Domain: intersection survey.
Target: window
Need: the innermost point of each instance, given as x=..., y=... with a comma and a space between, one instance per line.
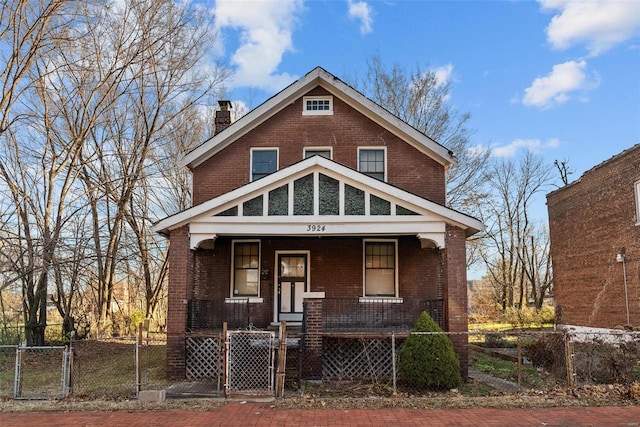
x=263, y=162
x=246, y=269
x=380, y=268
x=371, y=161
x=637, y=191
x=317, y=105
x=315, y=151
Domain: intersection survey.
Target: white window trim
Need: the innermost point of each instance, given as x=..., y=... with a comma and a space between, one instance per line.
x=378, y=298
x=248, y=298
x=314, y=148
x=636, y=187
x=384, y=149
x=253, y=149
x=306, y=112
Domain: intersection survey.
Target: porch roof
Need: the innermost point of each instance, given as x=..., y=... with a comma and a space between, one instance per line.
x=293, y=200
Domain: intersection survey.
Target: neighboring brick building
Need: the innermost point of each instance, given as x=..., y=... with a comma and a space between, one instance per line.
x=594, y=225
x=320, y=208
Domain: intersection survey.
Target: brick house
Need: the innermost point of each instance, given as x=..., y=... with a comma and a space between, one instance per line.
x=594, y=226
x=322, y=209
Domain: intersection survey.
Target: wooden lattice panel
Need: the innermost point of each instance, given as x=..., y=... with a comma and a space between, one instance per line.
x=204, y=357
x=350, y=358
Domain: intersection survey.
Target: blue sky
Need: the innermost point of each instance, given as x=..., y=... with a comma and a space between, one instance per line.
x=561, y=77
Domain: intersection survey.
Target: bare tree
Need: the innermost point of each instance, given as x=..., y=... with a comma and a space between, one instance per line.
x=511, y=255
x=28, y=30
x=421, y=99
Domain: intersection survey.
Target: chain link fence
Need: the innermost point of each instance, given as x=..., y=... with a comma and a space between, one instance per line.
x=348, y=366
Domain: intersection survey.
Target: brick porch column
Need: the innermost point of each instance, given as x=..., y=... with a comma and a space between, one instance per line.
x=455, y=294
x=180, y=279
x=312, y=356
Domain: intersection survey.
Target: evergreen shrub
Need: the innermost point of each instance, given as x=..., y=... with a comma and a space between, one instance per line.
x=428, y=361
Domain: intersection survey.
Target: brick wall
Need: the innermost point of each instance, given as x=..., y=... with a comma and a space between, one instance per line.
x=180, y=279
x=455, y=293
x=336, y=269
x=345, y=131
x=589, y=222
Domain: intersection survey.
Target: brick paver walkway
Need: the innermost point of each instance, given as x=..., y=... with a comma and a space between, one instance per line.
x=261, y=414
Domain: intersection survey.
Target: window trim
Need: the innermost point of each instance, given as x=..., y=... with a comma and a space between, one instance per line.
x=328, y=112
x=317, y=148
x=374, y=148
x=255, y=149
x=636, y=187
x=251, y=298
x=364, y=271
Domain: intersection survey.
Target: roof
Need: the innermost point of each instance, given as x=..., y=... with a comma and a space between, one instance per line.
x=426, y=220
x=598, y=166
x=336, y=87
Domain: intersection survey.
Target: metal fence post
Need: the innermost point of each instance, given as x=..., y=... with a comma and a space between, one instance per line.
x=393, y=361
x=568, y=349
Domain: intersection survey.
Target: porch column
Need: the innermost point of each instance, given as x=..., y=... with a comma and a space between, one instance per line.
x=180, y=278
x=455, y=294
x=312, y=356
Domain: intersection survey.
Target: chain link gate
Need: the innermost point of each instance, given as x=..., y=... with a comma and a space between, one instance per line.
x=250, y=362
x=42, y=372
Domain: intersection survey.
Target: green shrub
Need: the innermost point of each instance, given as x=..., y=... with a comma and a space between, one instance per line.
x=428, y=361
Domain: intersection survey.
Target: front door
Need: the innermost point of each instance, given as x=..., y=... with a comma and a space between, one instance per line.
x=292, y=283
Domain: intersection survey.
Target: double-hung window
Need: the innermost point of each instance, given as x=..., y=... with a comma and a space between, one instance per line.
x=263, y=162
x=380, y=268
x=317, y=151
x=246, y=269
x=372, y=162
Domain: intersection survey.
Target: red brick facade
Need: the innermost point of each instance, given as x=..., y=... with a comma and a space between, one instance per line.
x=344, y=131
x=591, y=221
x=335, y=261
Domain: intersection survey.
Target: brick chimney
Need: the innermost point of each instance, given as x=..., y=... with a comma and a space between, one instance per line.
x=223, y=117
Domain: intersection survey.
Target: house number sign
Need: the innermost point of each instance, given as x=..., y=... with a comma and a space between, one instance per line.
x=316, y=227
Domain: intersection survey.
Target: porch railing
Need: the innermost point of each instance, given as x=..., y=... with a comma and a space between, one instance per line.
x=379, y=315
x=211, y=314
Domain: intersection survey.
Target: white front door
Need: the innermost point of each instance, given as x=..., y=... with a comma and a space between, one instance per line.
x=292, y=283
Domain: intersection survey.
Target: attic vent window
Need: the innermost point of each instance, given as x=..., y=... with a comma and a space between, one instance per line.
x=317, y=105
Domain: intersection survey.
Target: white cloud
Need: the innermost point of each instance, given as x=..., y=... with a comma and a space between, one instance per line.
x=266, y=29
x=556, y=87
x=443, y=74
x=533, y=145
x=361, y=11
x=599, y=24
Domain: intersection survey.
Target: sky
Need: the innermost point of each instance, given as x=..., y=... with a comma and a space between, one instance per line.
x=558, y=77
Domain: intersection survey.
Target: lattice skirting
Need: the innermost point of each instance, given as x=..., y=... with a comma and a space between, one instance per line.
x=204, y=357
x=350, y=358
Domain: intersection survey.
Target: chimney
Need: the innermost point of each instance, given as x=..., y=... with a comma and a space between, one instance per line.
x=223, y=117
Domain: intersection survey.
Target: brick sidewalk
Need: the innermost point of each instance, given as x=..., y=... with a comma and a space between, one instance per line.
x=261, y=414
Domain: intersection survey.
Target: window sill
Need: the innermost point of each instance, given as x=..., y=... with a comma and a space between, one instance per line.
x=244, y=300
x=391, y=300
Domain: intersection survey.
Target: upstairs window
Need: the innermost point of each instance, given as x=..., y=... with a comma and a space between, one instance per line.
x=317, y=151
x=317, y=105
x=380, y=268
x=246, y=262
x=263, y=162
x=372, y=162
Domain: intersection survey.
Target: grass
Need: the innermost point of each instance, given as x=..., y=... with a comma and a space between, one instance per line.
x=505, y=369
x=101, y=370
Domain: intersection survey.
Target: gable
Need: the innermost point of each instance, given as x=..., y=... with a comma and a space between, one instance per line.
x=317, y=197
x=319, y=78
